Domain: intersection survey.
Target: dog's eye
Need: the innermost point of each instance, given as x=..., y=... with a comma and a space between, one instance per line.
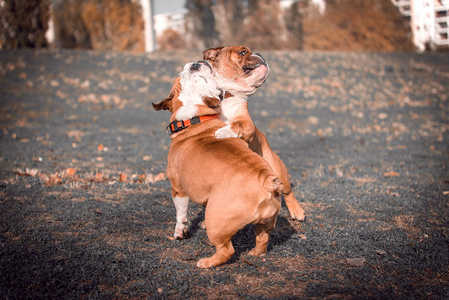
x=243, y=53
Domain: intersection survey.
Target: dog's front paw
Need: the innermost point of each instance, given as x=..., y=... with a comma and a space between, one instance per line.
x=181, y=230
x=225, y=132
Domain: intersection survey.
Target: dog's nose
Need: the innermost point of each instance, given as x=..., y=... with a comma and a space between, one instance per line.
x=195, y=66
x=263, y=59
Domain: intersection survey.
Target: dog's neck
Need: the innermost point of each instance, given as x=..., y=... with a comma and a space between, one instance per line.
x=229, y=87
x=194, y=89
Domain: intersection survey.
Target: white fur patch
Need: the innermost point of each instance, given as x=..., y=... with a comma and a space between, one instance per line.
x=182, y=223
x=225, y=132
x=229, y=106
x=195, y=86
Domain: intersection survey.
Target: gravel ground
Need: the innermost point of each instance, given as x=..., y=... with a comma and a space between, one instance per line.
x=86, y=209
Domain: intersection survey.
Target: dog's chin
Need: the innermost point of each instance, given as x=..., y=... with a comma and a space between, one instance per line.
x=253, y=79
x=258, y=75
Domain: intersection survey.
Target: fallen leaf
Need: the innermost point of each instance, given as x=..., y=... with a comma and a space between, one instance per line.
x=122, y=178
x=100, y=147
x=69, y=172
x=381, y=252
x=27, y=172
x=394, y=194
x=147, y=157
x=142, y=178
x=159, y=177
x=170, y=238
x=54, y=179
x=99, y=178
x=446, y=193
x=355, y=262
x=391, y=174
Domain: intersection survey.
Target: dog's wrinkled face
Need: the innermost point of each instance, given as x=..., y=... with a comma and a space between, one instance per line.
x=237, y=69
x=194, y=93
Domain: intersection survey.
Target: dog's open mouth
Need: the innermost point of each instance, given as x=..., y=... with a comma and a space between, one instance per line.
x=260, y=61
x=248, y=68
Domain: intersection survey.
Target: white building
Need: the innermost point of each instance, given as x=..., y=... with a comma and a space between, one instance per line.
x=172, y=20
x=429, y=20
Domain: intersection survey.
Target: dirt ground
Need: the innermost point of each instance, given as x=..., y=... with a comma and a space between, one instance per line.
x=86, y=210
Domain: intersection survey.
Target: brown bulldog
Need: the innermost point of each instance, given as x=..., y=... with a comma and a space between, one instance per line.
x=236, y=185
x=239, y=73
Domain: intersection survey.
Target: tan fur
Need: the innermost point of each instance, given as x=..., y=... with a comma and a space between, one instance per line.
x=227, y=62
x=236, y=185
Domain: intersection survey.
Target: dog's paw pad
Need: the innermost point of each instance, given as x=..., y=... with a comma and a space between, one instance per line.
x=225, y=132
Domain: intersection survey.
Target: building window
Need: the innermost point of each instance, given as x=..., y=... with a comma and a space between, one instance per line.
x=440, y=14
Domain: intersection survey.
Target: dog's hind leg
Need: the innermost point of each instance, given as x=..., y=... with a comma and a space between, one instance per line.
x=279, y=168
x=262, y=236
x=224, y=251
x=220, y=229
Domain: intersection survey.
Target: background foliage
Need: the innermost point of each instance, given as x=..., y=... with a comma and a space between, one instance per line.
x=346, y=25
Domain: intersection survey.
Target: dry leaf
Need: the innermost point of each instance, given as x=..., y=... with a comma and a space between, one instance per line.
x=55, y=179
x=122, y=178
x=147, y=157
x=100, y=147
x=391, y=174
x=446, y=193
x=355, y=262
x=381, y=252
x=69, y=172
x=27, y=172
x=170, y=238
x=159, y=177
x=142, y=178
x=99, y=178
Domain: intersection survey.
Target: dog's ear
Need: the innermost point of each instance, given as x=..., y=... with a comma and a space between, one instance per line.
x=212, y=102
x=211, y=53
x=165, y=104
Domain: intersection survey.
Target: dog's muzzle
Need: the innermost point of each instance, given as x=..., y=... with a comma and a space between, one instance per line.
x=197, y=65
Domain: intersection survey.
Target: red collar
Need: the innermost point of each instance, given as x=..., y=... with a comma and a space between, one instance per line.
x=177, y=126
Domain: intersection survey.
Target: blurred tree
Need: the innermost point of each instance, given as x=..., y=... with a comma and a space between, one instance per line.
x=293, y=23
x=100, y=24
x=264, y=29
x=358, y=25
x=229, y=18
x=171, y=40
x=200, y=24
x=23, y=23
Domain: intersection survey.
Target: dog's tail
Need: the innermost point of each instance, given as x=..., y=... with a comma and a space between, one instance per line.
x=273, y=185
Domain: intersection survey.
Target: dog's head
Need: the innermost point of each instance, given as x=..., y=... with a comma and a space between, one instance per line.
x=237, y=69
x=194, y=93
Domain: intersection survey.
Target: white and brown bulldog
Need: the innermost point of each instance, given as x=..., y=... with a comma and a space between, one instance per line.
x=239, y=73
x=236, y=185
